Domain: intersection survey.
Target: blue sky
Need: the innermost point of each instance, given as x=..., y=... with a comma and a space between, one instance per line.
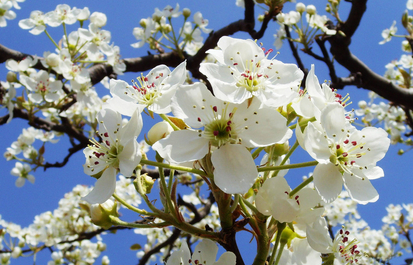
x=21, y=205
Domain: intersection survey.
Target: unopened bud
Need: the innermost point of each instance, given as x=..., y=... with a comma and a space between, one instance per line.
x=400, y=152
x=261, y=18
x=99, y=19
x=167, y=28
x=99, y=213
x=159, y=131
x=281, y=17
x=362, y=104
x=11, y=77
x=311, y=10
x=143, y=184
x=186, y=12
x=53, y=60
x=405, y=19
x=328, y=8
x=143, y=22
x=17, y=251
x=300, y=7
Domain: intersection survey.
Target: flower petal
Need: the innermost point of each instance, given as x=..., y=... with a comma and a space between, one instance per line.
x=360, y=189
x=328, y=181
x=182, y=146
x=235, y=170
x=104, y=187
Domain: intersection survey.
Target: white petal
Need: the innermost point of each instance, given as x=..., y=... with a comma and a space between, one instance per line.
x=129, y=158
x=235, y=170
x=205, y=252
x=333, y=121
x=360, y=189
x=104, y=187
x=375, y=145
x=20, y=182
x=182, y=256
x=315, y=144
x=328, y=181
x=182, y=146
x=227, y=258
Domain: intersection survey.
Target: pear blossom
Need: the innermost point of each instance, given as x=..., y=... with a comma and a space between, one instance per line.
x=143, y=34
x=73, y=71
x=42, y=87
x=232, y=128
x=98, y=39
x=273, y=199
x=35, y=22
x=168, y=12
x=62, y=14
x=201, y=22
x=153, y=91
x=311, y=104
x=98, y=19
x=345, y=155
x=6, y=13
x=345, y=251
x=6, y=99
x=118, y=151
x=319, y=22
x=388, y=33
x=22, y=65
x=205, y=253
x=21, y=171
x=243, y=71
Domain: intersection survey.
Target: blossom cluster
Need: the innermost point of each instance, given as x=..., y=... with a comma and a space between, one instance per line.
x=157, y=28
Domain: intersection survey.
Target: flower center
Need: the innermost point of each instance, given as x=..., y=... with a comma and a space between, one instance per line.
x=105, y=152
x=220, y=129
x=345, y=155
x=346, y=251
x=147, y=91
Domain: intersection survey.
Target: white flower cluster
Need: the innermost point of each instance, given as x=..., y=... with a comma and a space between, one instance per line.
x=6, y=12
x=60, y=230
x=294, y=19
x=154, y=29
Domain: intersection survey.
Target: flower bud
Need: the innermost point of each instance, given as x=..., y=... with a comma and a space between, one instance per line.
x=99, y=19
x=17, y=251
x=105, y=260
x=83, y=14
x=362, y=104
x=406, y=46
x=11, y=77
x=261, y=18
x=281, y=17
x=53, y=60
x=311, y=10
x=100, y=213
x=159, y=131
x=186, y=12
x=143, y=22
x=167, y=28
x=405, y=19
x=300, y=7
x=143, y=184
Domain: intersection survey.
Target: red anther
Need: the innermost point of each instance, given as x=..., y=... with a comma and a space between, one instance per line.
x=338, y=146
x=214, y=108
x=199, y=119
x=346, y=141
x=106, y=134
x=107, y=143
x=354, y=143
x=216, y=133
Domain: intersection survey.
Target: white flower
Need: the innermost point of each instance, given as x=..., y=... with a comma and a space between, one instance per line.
x=98, y=39
x=119, y=150
x=5, y=13
x=388, y=33
x=168, y=12
x=232, y=128
x=42, y=87
x=62, y=14
x=143, y=34
x=345, y=155
x=154, y=91
x=201, y=22
x=243, y=71
x=22, y=172
x=6, y=100
x=98, y=19
x=205, y=253
x=73, y=71
x=35, y=22
x=273, y=199
x=409, y=4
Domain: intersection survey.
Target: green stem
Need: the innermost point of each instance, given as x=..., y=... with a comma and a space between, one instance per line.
x=50, y=37
x=257, y=152
x=280, y=229
x=287, y=156
x=250, y=205
x=299, y=187
x=186, y=169
x=298, y=165
x=235, y=203
x=169, y=205
x=280, y=252
x=130, y=207
x=165, y=118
